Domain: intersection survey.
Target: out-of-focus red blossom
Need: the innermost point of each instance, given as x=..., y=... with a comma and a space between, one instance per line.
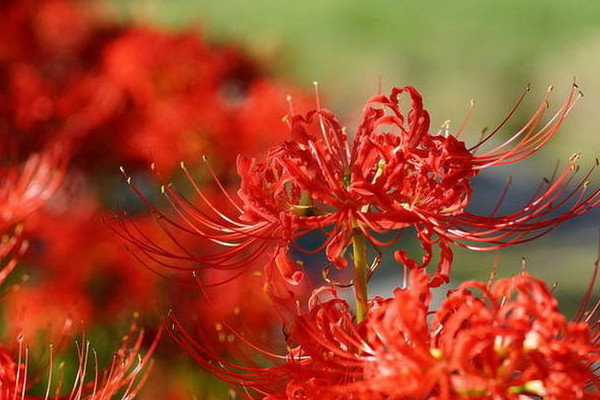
x=120, y=96
x=87, y=275
x=24, y=188
x=39, y=66
x=259, y=116
x=174, y=83
x=22, y=192
x=91, y=262
x=505, y=340
x=189, y=98
x=51, y=308
x=122, y=379
x=48, y=29
x=393, y=175
x=219, y=315
x=160, y=96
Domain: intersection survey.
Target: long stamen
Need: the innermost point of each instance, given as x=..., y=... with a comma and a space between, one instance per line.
x=463, y=124
x=25, y=368
x=20, y=339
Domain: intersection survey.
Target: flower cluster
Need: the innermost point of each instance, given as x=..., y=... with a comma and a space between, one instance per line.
x=501, y=340
x=146, y=90
x=394, y=175
x=104, y=95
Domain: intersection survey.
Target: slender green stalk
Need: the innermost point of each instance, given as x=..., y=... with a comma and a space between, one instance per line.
x=359, y=250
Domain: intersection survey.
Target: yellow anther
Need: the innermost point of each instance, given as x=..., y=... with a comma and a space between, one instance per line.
x=436, y=353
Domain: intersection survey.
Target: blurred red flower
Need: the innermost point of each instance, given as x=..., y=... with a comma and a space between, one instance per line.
x=122, y=379
x=119, y=95
x=23, y=191
x=25, y=188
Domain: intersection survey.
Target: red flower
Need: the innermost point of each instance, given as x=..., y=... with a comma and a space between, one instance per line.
x=122, y=379
x=394, y=174
x=25, y=188
x=512, y=339
x=505, y=340
x=98, y=277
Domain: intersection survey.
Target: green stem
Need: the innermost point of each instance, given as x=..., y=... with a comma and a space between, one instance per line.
x=359, y=250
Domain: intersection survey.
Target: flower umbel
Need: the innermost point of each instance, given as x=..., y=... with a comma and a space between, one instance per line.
x=392, y=175
x=486, y=341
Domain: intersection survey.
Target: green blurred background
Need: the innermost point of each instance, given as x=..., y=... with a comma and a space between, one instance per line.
x=452, y=52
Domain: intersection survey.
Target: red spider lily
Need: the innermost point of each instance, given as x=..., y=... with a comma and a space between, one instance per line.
x=23, y=189
x=505, y=340
x=142, y=88
x=170, y=117
x=226, y=305
x=119, y=93
x=122, y=379
x=51, y=29
x=394, y=175
x=98, y=277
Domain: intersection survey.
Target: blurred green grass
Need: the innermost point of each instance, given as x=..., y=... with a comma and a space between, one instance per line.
x=452, y=52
